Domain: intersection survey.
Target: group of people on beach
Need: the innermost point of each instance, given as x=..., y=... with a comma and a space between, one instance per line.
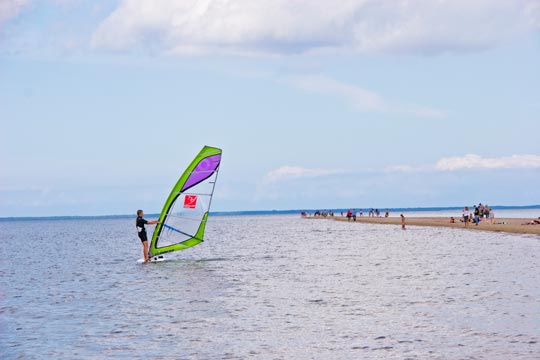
x=371, y=213
x=351, y=214
x=377, y=213
x=480, y=213
x=533, y=222
x=323, y=213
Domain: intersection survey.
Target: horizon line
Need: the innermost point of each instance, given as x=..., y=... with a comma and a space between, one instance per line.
x=260, y=212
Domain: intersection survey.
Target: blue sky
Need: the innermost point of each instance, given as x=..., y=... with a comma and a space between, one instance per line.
x=360, y=104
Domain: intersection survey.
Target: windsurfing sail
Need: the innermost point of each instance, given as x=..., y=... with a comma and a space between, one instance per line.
x=183, y=219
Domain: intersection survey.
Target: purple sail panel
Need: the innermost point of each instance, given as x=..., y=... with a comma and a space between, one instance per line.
x=202, y=171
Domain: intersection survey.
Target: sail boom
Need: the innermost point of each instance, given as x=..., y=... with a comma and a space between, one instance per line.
x=184, y=218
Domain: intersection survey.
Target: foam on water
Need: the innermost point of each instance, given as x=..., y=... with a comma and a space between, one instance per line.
x=269, y=287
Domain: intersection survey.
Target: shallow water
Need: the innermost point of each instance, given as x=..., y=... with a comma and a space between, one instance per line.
x=269, y=287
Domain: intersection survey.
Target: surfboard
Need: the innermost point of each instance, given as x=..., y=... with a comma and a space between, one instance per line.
x=153, y=259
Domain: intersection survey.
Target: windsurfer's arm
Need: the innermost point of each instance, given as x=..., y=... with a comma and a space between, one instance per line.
x=153, y=222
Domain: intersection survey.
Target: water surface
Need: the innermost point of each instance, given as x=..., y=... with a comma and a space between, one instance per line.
x=269, y=287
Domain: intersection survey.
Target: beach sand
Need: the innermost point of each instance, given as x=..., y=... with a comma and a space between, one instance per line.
x=507, y=225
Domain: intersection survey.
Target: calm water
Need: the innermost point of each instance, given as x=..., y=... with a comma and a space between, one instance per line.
x=269, y=287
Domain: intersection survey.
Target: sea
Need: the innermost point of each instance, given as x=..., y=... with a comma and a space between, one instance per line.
x=269, y=287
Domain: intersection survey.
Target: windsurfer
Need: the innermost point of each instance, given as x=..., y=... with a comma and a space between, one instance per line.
x=141, y=231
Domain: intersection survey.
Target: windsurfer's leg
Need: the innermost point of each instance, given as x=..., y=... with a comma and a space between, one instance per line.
x=145, y=250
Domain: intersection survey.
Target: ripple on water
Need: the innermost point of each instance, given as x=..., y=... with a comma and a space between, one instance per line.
x=269, y=287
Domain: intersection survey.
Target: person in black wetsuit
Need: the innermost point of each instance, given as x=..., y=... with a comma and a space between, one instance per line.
x=141, y=231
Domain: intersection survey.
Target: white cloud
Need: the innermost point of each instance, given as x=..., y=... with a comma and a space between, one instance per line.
x=472, y=161
x=532, y=10
x=469, y=161
x=296, y=172
x=402, y=168
x=362, y=99
x=307, y=26
x=10, y=9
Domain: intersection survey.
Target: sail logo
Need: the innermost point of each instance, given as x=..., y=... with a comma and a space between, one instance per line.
x=190, y=202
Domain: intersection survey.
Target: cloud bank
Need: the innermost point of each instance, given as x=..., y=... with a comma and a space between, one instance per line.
x=361, y=98
x=472, y=161
x=296, y=172
x=468, y=162
x=10, y=9
x=246, y=27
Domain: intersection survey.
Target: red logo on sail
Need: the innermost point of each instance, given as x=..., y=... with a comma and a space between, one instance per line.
x=190, y=201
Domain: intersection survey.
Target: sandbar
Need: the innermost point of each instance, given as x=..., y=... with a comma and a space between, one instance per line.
x=506, y=225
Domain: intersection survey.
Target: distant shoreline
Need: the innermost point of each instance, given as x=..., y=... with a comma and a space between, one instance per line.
x=261, y=212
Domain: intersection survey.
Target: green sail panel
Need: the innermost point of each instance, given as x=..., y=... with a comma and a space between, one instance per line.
x=183, y=219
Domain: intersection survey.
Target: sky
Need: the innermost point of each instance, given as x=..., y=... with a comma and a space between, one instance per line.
x=316, y=104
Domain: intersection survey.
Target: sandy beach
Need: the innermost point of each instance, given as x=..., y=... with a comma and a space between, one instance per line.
x=507, y=225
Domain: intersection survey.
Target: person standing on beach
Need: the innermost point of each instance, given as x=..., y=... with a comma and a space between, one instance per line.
x=141, y=231
x=402, y=222
x=491, y=216
x=486, y=212
x=466, y=216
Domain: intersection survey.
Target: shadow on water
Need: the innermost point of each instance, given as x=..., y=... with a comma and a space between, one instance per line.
x=187, y=261
x=207, y=260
